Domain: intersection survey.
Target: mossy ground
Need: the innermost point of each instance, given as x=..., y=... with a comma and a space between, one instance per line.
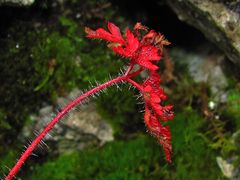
x=139, y=158
x=40, y=64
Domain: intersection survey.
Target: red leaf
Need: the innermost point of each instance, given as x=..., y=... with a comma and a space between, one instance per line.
x=115, y=31
x=146, y=55
x=141, y=51
x=149, y=53
x=147, y=64
x=113, y=36
x=132, y=42
x=132, y=45
x=153, y=80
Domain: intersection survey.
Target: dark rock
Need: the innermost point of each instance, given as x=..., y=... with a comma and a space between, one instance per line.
x=219, y=23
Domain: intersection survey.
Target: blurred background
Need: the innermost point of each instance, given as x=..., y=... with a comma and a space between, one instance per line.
x=46, y=61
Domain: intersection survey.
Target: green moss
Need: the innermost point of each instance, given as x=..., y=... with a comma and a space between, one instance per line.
x=8, y=160
x=118, y=160
x=193, y=157
x=64, y=61
x=234, y=103
x=231, y=111
x=121, y=110
x=4, y=125
x=140, y=158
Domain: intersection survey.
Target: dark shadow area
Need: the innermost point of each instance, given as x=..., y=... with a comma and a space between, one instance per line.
x=9, y=15
x=157, y=15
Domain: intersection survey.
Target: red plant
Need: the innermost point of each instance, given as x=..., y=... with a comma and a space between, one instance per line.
x=142, y=47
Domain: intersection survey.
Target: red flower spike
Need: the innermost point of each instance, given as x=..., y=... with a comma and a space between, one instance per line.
x=153, y=96
x=160, y=132
x=144, y=50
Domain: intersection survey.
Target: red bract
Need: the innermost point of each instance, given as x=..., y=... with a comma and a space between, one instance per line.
x=113, y=36
x=146, y=55
x=139, y=50
x=153, y=96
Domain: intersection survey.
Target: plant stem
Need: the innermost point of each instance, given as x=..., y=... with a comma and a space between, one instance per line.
x=129, y=68
x=138, y=86
x=42, y=134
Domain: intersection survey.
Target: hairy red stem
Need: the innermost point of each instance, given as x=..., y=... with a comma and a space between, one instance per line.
x=129, y=68
x=34, y=144
x=139, y=87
